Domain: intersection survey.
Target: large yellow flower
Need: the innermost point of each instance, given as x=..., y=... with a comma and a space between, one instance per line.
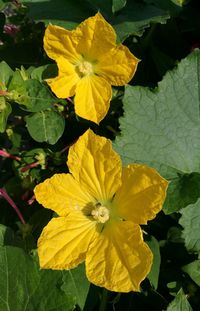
x=100, y=206
x=89, y=62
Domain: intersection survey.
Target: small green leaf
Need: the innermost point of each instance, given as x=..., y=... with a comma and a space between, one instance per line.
x=155, y=269
x=180, y=2
x=180, y=303
x=6, y=74
x=5, y=110
x=44, y=72
x=45, y=126
x=190, y=221
x=25, y=287
x=76, y=284
x=16, y=82
x=118, y=5
x=35, y=97
x=193, y=269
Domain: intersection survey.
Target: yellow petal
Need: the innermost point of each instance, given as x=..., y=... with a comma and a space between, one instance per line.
x=141, y=195
x=62, y=194
x=117, y=66
x=96, y=37
x=92, y=99
x=60, y=42
x=119, y=259
x=64, y=241
x=95, y=165
x=64, y=84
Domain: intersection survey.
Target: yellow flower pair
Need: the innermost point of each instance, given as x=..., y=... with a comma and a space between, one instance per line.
x=89, y=61
x=100, y=204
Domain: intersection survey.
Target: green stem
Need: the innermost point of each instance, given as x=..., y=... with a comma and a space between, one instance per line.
x=104, y=300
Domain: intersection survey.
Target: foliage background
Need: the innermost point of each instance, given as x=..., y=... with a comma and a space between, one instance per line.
x=160, y=108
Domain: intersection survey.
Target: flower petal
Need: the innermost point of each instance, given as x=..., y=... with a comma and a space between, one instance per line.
x=118, y=259
x=62, y=194
x=92, y=99
x=95, y=165
x=65, y=83
x=96, y=37
x=64, y=241
x=141, y=195
x=118, y=66
x=61, y=42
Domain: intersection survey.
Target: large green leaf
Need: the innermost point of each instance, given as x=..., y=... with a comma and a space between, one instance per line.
x=165, y=130
x=132, y=19
x=76, y=284
x=135, y=17
x=180, y=303
x=25, y=287
x=193, y=269
x=190, y=221
x=45, y=126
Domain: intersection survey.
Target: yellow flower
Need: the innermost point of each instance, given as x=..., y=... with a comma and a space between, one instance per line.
x=89, y=61
x=100, y=206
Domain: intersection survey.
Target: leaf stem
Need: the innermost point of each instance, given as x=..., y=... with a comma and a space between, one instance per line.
x=4, y=194
x=104, y=300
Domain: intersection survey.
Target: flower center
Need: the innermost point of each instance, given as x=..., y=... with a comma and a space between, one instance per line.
x=100, y=213
x=84, y=68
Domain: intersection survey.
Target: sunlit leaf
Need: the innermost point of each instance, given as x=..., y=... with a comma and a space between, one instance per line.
x=193, y=269
x=190, y=221
x=180, y=303
x=45, y=126
x=165, y=130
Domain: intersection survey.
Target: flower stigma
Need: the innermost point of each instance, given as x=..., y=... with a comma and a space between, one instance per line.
x=100, y=213
x=84, y=68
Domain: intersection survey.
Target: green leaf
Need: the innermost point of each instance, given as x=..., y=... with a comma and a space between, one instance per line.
x=5, y=110
x=190, y=221
x=133, y=19
x=165, y=130
x=35, y=96
x=44, y=72
x=45, y=126
x=193, y=269
x=183, y=190
x=180, y=303
x=68, y=13
x=6, y=74
x=155, y=269
x=76, y=284
x=16, y=82
x=179, y=2
x=118, y=5
x=7, y=236
x=25, y=287
x=170, y=5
